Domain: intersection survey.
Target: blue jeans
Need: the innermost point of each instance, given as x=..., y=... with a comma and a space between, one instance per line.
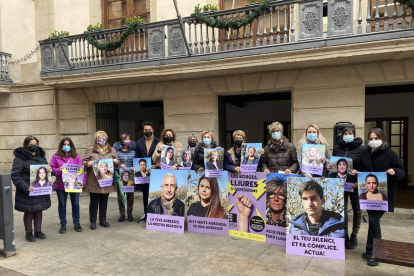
x=62, y=198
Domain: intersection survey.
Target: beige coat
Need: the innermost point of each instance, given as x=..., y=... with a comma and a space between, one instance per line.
x=92, y=185
x=156, y=157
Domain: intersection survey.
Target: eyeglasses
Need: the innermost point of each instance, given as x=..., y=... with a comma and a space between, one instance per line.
x=279, y=195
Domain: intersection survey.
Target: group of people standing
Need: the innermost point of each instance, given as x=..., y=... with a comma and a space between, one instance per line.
x=278, y=155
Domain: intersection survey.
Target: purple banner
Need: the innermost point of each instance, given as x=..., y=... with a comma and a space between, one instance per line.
x=348, y=187
x=42, y=191
x=142, y=180
x=185, y=168
x=172, y=224
x=128, y=189
x=377, y=205
x=276, y=235
x=165, y=166
x=214, y=173
x=208, y=225
x=248, y=168
x=311, y=169
x=105, y=182
x=315, y=246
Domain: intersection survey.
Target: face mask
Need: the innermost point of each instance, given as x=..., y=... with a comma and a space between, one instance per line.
x=148, y=133
x=238, y=142
x=207, y=141
x=348, y=139
x=276, y=135
x=375, y=144
x=101, y=142
x=66, y=148
x=168, y=139
x=127, y=143
x=192, y=144
x=312, y=137
x=33, y=148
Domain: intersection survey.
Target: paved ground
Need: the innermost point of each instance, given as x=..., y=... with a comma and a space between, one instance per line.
x=129, y=249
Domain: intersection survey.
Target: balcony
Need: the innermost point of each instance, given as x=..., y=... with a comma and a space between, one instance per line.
x=287, y=26
x=4, y=67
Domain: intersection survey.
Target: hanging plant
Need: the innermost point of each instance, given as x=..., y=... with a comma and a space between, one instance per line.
x=231, y=23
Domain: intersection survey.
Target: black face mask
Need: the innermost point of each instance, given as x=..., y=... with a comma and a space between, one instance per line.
x=32, y=148
x=148, y=133
x=238, y=142
x=168, y=139
x=192, y=144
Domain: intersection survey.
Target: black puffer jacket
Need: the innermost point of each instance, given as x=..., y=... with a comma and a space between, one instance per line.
x=282, y=158
x=198, y=157
x=20, y=175
x=357, y=152
x=383, y=159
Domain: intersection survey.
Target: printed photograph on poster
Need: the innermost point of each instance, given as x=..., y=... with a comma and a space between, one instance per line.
x=373, y=191
x=334, y=162
x=213, y=161
x=104, y=171
x=207, y=204
x=142, y=169
x=40, y=180
x=184, y=157
x=167, y=193
x=312, y=155
x=276, y=197
x=167, y=157
x=342, y=171
x=127, y=183
x=250, y=153
x=72, y=176
x=247, y=205
x=315, y=217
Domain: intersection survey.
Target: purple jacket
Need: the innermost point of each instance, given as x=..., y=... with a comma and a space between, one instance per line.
x=56, y=162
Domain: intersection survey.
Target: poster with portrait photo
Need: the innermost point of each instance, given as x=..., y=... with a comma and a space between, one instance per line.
x=247, y=205
x=373, y=191
x=72, y=176
x=127, y=182
x=167, y=157
x=167, y=193
x=312, y=155
x=342, y=167
x=104, y=172
x=213, y=162
x=207, y=204
x=250, y=157
x=184, y=158
x=40, y=180
x=142, y=170
x=315, y=217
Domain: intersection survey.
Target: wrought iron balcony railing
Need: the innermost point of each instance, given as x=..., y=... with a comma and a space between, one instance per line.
x=4, y=67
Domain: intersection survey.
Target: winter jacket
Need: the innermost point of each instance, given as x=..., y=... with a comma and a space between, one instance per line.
x=382, y=160
x=211, y=166
x=57, y=162
x=92, y=185
x=20, y=175
x=280, y=159
x=156, y=157
x=357, y=152
x=155, y=207
x=125, y=157
x=141, y=148
x=333, y=226
x=198, y=157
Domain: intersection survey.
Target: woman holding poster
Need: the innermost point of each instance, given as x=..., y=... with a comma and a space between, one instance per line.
x=208, y=142
x=99, y=195
x=168, y=138
x=66, y=154
x=383, y=160
x=32, y=206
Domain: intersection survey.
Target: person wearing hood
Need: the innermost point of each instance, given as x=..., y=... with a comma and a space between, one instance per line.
x=125, y=149
x=208, y=142
x=279, y=154
x=32, y=206
x=349, y=145
x=383, y=159
x=168, y=138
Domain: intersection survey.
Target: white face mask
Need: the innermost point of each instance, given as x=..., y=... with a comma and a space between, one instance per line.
x=375, y=143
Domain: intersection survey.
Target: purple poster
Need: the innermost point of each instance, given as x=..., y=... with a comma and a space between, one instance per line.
x=72, y=176
x=104, y=171
x=312, y=155
x=207, y=200
x=372, y=190
x=167, y=157
x=315, y=217
x=184, y=158
x=213, y=162
x=40, y=180
x=126, y=180
x=348, y=187
x=250, y=155
x=166, y=198
x=247, y=205
x=142, y=170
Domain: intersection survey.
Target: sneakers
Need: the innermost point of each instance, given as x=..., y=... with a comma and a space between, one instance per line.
x=142, y=219
x=93, y=225
x=62, y=229
x=103, y=223
x=121, y=218
x=30, y=237
x=40, y=235
x=130, y=218
x=369, y=259
x=352, y=243
x=77, y=228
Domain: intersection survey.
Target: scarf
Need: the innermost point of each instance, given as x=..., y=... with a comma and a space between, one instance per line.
x=167, y=206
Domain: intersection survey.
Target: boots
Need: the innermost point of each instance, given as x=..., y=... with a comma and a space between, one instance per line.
x=62, y=229
x=352, y=243
x=30, y=237
x=121, y=218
